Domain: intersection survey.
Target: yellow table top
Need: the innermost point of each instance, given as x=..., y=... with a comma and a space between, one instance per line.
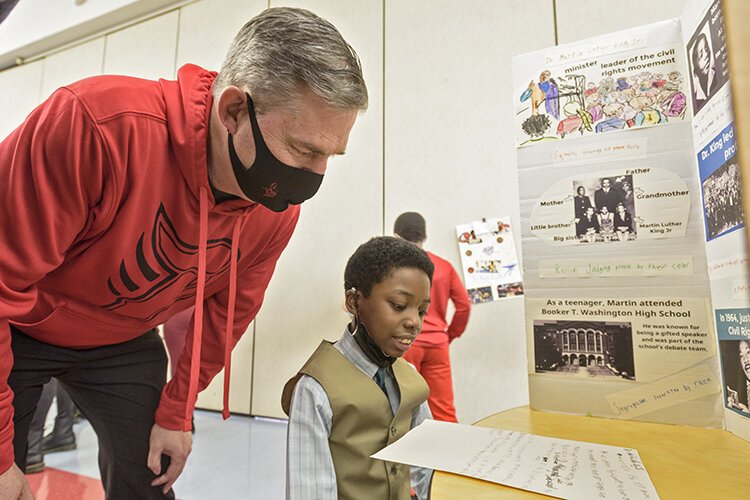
x=683, y=462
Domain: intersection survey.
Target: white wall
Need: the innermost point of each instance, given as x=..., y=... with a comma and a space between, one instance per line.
x=437, y=139
x=20, y=94
x=450, y=156
x=208, y=27
x=146, y=50
x=38, y=26
x=81, y=61
x=578, y=19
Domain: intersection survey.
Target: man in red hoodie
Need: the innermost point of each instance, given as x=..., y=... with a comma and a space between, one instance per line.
x=430, y=352
x=125, y=201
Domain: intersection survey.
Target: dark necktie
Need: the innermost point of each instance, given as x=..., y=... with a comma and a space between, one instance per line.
x=380, y=379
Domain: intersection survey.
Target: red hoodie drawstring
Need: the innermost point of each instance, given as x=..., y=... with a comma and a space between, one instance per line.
x=195, y=358
x=229, y=331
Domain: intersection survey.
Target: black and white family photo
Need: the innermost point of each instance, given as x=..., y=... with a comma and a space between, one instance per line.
x=604, y=209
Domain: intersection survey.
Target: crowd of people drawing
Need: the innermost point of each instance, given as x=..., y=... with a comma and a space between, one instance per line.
x=615, y=103
x=721, y=199
x=610, y=216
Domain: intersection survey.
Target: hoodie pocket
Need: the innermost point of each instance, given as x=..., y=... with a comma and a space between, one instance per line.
x=68, y=327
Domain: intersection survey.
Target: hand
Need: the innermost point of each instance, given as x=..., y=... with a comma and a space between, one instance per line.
x=176, y=445
x=732, y=398
x=13, y=485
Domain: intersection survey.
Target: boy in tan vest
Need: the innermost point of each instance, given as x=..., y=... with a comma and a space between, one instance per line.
x=354, y=397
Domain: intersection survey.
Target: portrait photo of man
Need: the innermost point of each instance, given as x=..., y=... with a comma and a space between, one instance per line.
x=708, y=61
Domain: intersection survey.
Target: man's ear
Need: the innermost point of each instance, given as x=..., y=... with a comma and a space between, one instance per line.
x=351, y=300
x=232, y=104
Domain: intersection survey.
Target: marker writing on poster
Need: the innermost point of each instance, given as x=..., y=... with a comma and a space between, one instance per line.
x=713, y=115
x=691, y=384
x=647, y=268
x=670, y=392
x=600, y=267
x=601, y=48
x=632, y=149
x=729, y=264
x=740, y=290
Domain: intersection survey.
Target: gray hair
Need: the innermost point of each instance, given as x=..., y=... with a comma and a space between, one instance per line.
x=282, y=49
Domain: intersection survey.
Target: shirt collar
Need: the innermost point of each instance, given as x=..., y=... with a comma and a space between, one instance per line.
x=349, y=348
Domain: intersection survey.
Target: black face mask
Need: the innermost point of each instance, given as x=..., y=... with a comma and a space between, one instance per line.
x=372, y=350
x=268, y=181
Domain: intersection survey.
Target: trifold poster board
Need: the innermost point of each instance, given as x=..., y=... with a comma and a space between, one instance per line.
x=637, y=299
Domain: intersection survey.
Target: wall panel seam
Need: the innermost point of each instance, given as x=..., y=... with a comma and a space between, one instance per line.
x=554, y=18
x=383, y=140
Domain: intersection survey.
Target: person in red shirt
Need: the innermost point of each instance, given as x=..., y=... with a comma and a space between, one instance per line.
x=126, y=201
x=430, y=353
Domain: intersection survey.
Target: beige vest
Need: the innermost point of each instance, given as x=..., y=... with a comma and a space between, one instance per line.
x=363, y=423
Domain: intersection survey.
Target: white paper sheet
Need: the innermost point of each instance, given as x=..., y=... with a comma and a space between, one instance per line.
x=607, y=267
x=555, y=467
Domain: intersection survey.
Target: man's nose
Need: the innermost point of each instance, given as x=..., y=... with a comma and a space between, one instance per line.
x=319, y=165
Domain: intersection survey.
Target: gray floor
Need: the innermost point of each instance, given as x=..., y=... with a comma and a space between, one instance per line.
x=242, y=457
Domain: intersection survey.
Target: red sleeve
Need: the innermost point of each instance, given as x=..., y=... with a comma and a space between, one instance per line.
x=51, y=169
x=252, y=284
x=460, y=298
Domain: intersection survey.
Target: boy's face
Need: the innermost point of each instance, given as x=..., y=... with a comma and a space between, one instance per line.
x=394, y=310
